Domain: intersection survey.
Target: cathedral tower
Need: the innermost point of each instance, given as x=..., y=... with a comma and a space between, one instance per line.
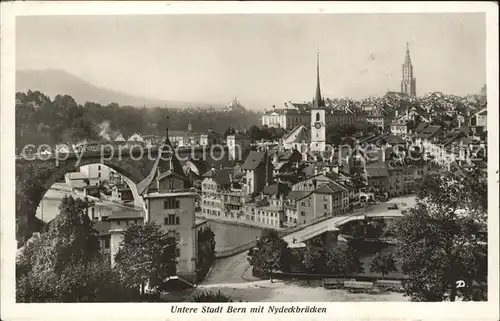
x=408, y=82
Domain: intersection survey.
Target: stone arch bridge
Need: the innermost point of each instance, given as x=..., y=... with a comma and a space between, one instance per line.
x=36, y=173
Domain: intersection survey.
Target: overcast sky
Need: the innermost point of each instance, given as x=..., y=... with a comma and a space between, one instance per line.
x=261, y=59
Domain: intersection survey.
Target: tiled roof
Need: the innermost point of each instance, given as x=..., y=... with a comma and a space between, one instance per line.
x=328, y=188
x=393, y=139
x=302, y=137
x=296, y=128
x=167, y=162
x=221, y=176
x=277, y=189
x=253, y=160
x=430, y=131
x=298, y=195
x=377, y=169
x=421, y=127
x=124, y=214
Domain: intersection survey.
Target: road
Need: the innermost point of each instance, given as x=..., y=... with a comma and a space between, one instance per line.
x=233, y=269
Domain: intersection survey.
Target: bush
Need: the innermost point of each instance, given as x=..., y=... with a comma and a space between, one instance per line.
x=211, y=297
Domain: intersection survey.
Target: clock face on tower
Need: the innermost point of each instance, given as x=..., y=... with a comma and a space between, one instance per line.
x=317, y=125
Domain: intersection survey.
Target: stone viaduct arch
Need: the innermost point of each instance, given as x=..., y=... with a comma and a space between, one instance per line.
x=35, y=176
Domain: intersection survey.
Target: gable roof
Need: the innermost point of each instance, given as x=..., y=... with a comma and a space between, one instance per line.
x=166, y=162
x=277, y=189
x=298, y=195
x=394, y=139
x=221, y=176
x=295, y=129
x=253, y=160
x=377, y=169
x=328, y=188
x=420, y=128
x=430, y=131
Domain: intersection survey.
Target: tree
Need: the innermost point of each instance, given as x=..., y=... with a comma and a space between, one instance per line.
x=147, y=255
x=64, y=264
x=229, y=131
x=383, y=263
x=314, y=258
x=442, y=239
x=343, y=259
x=271, y=253
x=206, y=251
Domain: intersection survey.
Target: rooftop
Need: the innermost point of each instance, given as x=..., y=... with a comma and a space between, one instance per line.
x=253, y=160
x=174, y=194
x=124, y=214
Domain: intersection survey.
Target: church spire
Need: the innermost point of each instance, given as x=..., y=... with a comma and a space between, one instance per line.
x=318, y=101
x=408, y=81
x=407, y=58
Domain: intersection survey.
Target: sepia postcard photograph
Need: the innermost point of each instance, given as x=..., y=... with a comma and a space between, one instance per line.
x=249, y=160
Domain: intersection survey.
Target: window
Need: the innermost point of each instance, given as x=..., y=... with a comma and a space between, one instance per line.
x=171, y=203
x=171, y=184
x=99, y=174
x=172, y=219
x=317, y=116
x=98, y=167
x=325, y=206
x=302, y=213
x=106, y=243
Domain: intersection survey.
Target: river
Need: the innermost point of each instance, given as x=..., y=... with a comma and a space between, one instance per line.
x=227, y=236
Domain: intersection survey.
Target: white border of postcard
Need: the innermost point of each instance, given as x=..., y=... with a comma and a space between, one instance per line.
x=146, y=311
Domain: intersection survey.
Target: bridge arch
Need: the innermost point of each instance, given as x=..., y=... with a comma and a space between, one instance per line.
x=35, y=177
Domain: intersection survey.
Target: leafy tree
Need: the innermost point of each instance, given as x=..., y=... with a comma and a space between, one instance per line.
x=343, y=259
x=211, y=297
x=383, y=263
x=442, y=239
x=64, y=264
x=314, y=258
x=271, y=253
x=206, y=251
x=147, y=255
x=229, y=131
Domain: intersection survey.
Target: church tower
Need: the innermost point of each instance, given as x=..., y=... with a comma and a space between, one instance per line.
x=408, y=82
x=318, y=123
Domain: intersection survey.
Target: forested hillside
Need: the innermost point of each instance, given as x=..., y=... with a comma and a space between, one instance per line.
x=41, y=120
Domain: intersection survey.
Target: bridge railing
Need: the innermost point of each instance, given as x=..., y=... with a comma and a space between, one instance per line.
x=236, y=250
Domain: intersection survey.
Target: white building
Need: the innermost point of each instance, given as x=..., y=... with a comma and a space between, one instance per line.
x=96, y=173
x=237, y=144
x=135, y=138
x=292, y=115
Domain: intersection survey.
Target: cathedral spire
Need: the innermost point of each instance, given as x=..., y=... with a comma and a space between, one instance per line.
x=408, y=81
x=318, y=101
x=407, y=58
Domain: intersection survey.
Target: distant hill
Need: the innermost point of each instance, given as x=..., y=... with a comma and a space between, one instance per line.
x=54, y=81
